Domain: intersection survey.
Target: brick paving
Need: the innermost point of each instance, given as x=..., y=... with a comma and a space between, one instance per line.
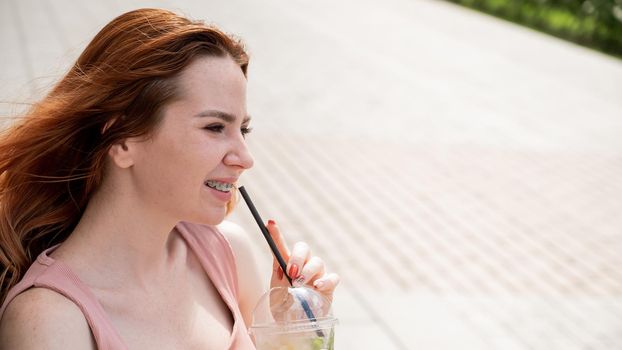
x=461, y=173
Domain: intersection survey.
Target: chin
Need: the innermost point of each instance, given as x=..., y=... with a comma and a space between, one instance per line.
x=212, y=218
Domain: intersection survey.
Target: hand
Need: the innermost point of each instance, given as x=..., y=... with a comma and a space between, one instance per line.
x=302, y=267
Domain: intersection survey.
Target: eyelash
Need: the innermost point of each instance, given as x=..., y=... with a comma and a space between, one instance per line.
x=218, y=128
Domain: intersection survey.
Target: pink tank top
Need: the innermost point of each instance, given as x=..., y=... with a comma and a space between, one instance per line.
x=208, y=244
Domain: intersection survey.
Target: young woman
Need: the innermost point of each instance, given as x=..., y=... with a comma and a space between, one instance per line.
x=111, y=190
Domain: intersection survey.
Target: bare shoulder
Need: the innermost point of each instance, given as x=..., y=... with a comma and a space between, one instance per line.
x=236, y=236
x=240, y=242
x=250, y=280
x=41, y=316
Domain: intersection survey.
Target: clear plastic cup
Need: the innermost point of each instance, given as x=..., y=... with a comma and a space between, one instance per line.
x=281, y=320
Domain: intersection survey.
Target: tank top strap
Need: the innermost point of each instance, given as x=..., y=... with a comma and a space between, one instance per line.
x=51, y=274
x=214, y=253
x=217, y=258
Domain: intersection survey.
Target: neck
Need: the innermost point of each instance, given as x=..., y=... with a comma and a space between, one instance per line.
x=124, y=240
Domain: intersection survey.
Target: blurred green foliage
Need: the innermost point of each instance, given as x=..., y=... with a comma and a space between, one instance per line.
x=593, y=23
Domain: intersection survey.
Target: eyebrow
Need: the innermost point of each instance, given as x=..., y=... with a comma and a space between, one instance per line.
x=229, y=118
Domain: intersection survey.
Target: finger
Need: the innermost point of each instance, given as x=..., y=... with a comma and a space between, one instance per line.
x=327, y=283
x=278, y=239
x=298, y=258
x=280, y=303
x=276, y=269
x=278, y=279
x=313, y=269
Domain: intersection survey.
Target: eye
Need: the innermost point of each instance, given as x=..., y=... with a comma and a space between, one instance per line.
x=246, y=130
x=219, y=128
x=215, y=128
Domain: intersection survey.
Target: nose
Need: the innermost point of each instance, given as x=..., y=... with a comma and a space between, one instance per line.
x=239, y=155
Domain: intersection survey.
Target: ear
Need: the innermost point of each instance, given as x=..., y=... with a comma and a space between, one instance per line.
x=122, y=155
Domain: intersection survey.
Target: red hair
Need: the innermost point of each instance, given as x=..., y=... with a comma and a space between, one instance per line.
x=52, y=159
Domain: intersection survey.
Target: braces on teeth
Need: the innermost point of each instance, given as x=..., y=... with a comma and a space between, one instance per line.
x=221, y=186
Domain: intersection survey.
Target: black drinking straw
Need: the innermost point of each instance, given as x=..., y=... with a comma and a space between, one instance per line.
x=265, y=232
x=276, y=253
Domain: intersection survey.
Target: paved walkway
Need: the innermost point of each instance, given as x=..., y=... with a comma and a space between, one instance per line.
x=462, y=174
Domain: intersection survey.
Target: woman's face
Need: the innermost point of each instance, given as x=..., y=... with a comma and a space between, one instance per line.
x=198, y=150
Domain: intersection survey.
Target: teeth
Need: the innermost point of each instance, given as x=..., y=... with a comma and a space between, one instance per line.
x=220, y=186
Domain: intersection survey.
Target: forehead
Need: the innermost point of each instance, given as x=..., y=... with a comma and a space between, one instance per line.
x=213, y=83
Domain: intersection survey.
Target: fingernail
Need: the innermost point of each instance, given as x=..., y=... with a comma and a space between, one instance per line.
x=279, y=274
x=271, y=222
x=318, y=284
x=293, y=271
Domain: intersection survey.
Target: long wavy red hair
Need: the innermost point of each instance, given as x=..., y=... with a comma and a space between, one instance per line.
x=52, y=159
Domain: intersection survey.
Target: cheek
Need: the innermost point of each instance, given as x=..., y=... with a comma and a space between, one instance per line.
x=160, y=170
x=183, y=167
x=162, y=178
x=176, y=164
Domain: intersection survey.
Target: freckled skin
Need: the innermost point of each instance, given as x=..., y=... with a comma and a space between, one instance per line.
x=184, y=154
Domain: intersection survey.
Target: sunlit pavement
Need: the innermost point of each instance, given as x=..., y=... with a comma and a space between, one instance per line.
x=462, y=174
